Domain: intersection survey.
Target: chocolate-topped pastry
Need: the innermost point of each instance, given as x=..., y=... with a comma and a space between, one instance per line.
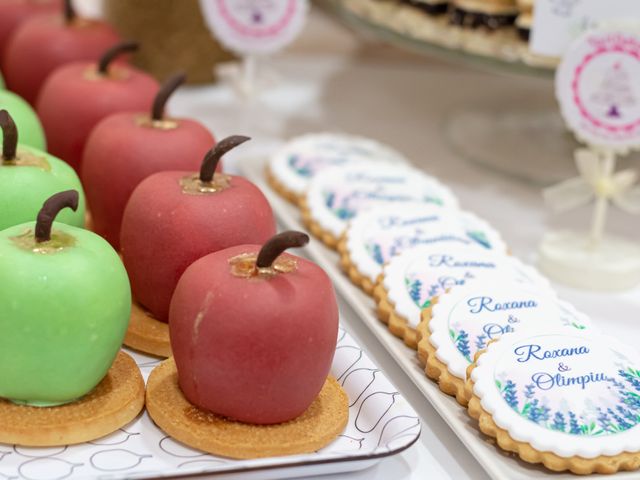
x=525, y=19
x=430, y=7
x=523, y=25
x=489, y=14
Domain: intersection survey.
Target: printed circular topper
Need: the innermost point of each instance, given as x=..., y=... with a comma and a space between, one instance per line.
x=598, y=88
x=300, y=159
x=255, y=26
x=417, y=276
x=562, y=391
x=466, y=320
x=376, y=236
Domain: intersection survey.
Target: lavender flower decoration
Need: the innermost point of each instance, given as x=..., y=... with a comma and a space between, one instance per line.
x=610, y=418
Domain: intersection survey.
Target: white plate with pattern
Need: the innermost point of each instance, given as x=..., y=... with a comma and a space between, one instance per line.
x=381, y=423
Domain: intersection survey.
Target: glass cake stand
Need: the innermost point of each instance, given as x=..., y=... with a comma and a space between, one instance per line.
x=433, y=36
x=527, y=138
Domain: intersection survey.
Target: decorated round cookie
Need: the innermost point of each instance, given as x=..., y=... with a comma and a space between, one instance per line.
x=413, y=280
x=337, y=195
x=465, y=320
x=567, y=399
x=299, y=160
x=374, y=237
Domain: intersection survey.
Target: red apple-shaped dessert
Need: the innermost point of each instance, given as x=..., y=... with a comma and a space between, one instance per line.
x=253, y=331
x=78, y=95
x=174, y=218
x=125, y=148
x=14, y=12
x=45, y=42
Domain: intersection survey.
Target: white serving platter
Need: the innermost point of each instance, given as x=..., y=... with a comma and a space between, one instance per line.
x=497, y=463
x=381, y=423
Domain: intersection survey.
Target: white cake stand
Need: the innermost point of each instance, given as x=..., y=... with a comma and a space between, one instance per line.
x=593, y=260
x=571, y=258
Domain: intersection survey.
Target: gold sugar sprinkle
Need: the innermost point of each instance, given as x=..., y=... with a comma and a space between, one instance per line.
x=164, y=124
x=113, y=73
x=192, y=185
x=28, y=159
x=59, y=241
x=244, y=266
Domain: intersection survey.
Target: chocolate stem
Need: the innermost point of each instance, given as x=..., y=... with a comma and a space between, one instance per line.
x=214, y=155
x=278, y=244
x=9, y=136
x=69, y=12
x=50, y=209
x=113, y=52
x=168, y=87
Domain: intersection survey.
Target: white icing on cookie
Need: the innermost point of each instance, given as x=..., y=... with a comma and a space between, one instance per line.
x=337, y=195
x=376, y=236
x=414, y=277
x=300, y=159
x=568, y=392
x=466, y=319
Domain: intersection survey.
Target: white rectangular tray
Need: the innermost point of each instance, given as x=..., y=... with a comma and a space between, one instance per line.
x=498, y=464
x=381, y=423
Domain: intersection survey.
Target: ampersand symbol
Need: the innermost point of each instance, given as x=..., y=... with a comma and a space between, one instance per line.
x=513, y=319
x=563, y=368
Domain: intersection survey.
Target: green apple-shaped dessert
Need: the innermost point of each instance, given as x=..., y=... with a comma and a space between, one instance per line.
x=64, y=318
x=28, y=177
x=31, y=132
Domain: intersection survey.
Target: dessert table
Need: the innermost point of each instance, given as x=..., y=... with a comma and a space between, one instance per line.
x=493, y=136
x=332, y=80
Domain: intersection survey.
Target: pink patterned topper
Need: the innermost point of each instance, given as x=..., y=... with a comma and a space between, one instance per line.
x=598, y=87
x=255, y=26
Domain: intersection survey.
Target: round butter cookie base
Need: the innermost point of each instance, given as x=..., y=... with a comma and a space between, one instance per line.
x=397, y=324
x=578, y=465
x=434, y=368
x=112, y=404
x=356, y=277
x=280, y=188
x=318, y=426
x=146, y=334
x=314, y=227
